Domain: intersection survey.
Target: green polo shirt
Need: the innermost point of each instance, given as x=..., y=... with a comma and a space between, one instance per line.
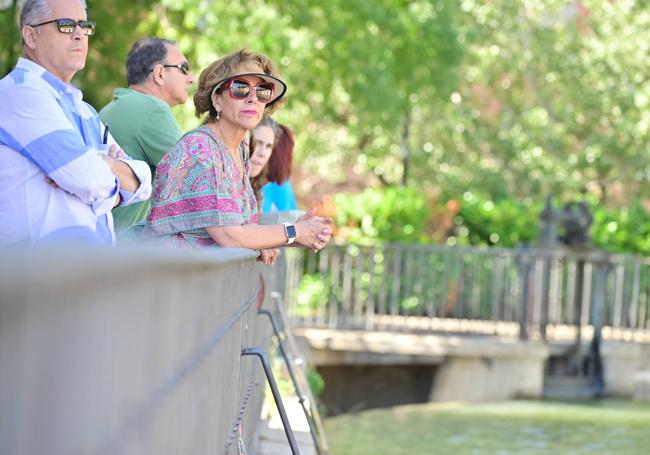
x=145, y=128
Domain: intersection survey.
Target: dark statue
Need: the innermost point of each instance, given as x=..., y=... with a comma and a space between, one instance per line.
x=575, y=219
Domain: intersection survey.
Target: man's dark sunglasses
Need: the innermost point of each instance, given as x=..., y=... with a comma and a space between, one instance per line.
x=70, y=25
x=184, y=67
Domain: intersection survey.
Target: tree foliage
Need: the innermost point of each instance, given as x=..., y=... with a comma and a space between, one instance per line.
x=355, y=69
x=553, y=99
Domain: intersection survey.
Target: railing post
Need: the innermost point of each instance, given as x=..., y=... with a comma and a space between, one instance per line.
x=634, y=297
x=524, y=275
x=594, y=364
x=546, y=290
x=276, y=395
x=294, y=380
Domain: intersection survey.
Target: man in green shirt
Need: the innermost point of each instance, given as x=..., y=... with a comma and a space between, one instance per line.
x=140, y=118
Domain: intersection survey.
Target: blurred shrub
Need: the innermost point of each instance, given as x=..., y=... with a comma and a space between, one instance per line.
x=406, y=215
x=510, y=223
x=506, y=223
x=623, y=230
x=316, y=381
x=309, y=292
x=393, y=214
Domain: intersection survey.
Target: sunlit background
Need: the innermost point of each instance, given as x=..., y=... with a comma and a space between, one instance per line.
x=435, y=122
x=473, y=111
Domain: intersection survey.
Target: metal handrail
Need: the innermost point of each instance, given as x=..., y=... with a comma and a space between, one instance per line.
x=311, y=415
x=260, y=354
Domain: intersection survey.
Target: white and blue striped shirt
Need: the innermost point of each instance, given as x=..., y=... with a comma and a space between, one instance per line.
x=47, y=130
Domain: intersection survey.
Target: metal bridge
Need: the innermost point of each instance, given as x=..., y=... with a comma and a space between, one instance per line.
x=569, y=301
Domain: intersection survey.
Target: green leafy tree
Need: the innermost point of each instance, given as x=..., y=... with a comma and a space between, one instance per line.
x=374, y=64
x=119, y=24
x=356, y=70
x=553, y=99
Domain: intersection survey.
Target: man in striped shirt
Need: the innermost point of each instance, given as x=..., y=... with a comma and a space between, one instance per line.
x=61, y=173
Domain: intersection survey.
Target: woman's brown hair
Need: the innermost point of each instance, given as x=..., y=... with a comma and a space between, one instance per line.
x=279, y=166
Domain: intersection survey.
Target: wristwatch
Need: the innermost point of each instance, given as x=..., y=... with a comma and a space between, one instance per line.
x=290, y=231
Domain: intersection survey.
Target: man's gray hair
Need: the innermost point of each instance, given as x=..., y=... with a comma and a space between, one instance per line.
x=143, y=56
x=36, y=11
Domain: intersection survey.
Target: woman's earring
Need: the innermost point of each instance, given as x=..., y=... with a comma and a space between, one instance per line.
x=218, y=115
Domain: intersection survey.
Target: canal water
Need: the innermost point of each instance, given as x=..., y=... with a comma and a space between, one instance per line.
x=605, y=427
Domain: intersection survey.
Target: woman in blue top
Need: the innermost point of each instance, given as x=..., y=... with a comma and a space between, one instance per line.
x=270, y=166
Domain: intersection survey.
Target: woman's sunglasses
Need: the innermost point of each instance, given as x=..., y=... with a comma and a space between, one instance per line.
x=70, y=25
x=240, y=89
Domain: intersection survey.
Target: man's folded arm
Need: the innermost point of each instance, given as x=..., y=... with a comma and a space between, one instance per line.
x=52, y=144
x=137, y=186
x=134, y=177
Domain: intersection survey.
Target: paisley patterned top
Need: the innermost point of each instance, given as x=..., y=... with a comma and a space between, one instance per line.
x=197, y=186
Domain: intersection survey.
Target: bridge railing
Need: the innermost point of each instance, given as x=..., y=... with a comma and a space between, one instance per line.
x=129, y=351
x=530, y=292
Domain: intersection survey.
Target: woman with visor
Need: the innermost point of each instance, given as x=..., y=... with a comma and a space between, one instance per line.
x=202, y=194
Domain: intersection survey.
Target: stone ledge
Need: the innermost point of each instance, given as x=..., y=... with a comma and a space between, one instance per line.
x=341, y=347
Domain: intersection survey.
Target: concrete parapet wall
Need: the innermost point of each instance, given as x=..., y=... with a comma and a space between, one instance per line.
x=468, y=368
x=132, y=352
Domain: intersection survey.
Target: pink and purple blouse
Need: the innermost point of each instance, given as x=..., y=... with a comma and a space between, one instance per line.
x=197, y=186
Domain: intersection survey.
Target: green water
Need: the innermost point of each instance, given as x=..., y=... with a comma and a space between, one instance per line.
x=505, y=428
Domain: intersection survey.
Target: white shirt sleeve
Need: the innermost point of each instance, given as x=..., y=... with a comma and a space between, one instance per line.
x=35, y=125
x=143, y=173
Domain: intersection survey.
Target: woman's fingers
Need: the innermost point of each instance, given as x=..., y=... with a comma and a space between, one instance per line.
x=268, y=257
x=317, y=246
x=274, y=255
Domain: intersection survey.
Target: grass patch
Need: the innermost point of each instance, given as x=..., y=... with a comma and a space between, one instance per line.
x=506, y=428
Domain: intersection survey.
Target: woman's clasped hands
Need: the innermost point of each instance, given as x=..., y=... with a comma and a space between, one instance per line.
x=313, y=232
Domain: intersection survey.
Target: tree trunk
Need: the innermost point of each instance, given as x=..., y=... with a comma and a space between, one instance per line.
x=404, y=147
x=603, y=191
